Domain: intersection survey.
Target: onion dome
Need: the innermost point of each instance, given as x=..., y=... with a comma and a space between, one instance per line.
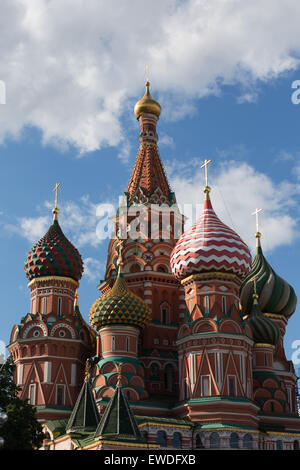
x=147, y=105
x=264, y=330
x=275, y=295
x=54, y=255
x=210, y=245
x=119, y=306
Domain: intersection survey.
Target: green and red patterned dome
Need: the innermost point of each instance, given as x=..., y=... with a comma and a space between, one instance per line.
x=276, y=296
x=120, y=306
x=54, y=255
x=264, y=330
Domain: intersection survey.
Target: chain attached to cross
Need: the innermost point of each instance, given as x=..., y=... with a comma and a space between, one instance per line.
x=205, y=164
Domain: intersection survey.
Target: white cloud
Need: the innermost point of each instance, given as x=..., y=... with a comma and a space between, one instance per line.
x=84, y=222
x=92, y=269
x=237, y=190
x=33, y=228
x=72, y=67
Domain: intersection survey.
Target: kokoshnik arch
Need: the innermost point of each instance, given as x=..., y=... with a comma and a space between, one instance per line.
x=185, y=345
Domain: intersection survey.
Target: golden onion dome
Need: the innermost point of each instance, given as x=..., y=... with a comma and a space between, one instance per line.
x=147, y=105
x=120, y=306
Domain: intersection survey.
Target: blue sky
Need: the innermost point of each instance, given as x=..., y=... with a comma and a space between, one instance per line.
x=223, y=75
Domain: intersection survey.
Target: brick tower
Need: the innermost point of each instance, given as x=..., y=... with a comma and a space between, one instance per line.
x=52, y=342
x=150, y=223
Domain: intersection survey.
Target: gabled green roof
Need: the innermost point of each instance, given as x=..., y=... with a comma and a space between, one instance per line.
x=118, y=420
x=85, y=416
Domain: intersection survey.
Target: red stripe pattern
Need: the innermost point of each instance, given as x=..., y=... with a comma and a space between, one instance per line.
x=209, y=245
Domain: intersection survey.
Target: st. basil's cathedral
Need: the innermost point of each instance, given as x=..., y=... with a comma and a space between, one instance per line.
x=185, y=345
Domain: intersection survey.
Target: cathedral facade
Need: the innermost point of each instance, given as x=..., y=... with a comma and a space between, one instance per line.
x=184, y=348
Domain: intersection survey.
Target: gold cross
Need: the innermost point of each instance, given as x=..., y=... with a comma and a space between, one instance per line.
x=256, y=212
x=147, y=69
x=56, y=191
x=205, y=164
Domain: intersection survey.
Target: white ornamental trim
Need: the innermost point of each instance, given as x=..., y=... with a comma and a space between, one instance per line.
x=35, y=325
x=63, y=325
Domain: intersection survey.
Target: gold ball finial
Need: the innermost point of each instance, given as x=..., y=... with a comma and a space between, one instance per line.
x=147, y=105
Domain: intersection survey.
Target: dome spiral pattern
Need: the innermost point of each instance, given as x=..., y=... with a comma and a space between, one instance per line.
x=54, y=255
x=275, y=294
x=264, y=330
x=210, y=245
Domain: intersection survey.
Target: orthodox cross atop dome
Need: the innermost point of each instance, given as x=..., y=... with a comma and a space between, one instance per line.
x=205, y=165
x=56, y=210
x=258, y=234
x=147, y=69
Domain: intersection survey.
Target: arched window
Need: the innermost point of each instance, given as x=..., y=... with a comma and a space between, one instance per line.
x=247, y=441
x=234, y=440
x=199, y=444
x=161, y=438
x=135, y=268
x=279, y=445
x=127, y=343
x=154, y=371
x=165, y=313
x=113, y=343
x=44, y=305
x=176, y=441
x=162, y=269
x=169, y=378
x=214, y=440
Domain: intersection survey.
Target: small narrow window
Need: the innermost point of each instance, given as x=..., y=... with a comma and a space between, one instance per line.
x=206, y=304
x=60, y=398
x=44, y=305
x=127, y=344
x=231, y=386
x=59, y=302
x=113, y=343
x=206, y=386
x=224, y=304
x=265, y=359
x=32, y=390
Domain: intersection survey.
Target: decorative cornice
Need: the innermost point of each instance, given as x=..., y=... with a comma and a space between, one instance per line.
x=211, y=275
x=52, y=278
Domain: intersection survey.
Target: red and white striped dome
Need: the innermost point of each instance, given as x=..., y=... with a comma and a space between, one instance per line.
x=209, y=245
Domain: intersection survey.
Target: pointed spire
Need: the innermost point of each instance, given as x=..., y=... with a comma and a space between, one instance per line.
x=118, y=421
x=85, y=416
x=148, y=182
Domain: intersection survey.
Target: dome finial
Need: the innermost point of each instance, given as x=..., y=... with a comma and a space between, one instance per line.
x=147, y=105
x=76, y=298
x=207, y=188
x=55, y=210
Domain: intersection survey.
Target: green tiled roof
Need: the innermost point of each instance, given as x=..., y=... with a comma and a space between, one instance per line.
x=85, y=416
x=118, y=420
